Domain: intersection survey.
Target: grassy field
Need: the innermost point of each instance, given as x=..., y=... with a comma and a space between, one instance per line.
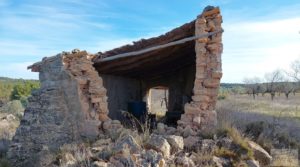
x=281, y=115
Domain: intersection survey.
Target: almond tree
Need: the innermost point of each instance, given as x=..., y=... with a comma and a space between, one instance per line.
x=295, y=70
x=287, y=87
x=272, y=80
x=252, y=85
x=294, y=73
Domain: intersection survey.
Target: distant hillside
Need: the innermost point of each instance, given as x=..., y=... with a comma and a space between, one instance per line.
x=231, y=85
x=6, y=79
x=21, y=87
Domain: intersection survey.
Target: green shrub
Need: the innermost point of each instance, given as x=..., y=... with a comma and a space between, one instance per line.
x=223, y=93
x=24, y=89
x=221, y=96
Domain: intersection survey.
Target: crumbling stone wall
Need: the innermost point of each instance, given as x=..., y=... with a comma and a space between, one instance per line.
x=200, y=114
x=69, y=107
x=92, y=94
x=71, y=104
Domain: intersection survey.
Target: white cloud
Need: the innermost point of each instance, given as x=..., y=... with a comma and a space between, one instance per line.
x=254, y=48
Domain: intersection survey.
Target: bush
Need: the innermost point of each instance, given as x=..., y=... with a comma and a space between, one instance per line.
x=223, y=92
x=23, y=90
x=13, y=107
x=221, y=96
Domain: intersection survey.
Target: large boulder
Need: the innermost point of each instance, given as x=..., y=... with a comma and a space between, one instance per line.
x=159, y=144
x=151, y=158
x=190, y=142
x=176, y=143
x=184, y=161
x=100, y=164
x=220, y=161
x=122, y=160
x=207, y=145
x=126, y=142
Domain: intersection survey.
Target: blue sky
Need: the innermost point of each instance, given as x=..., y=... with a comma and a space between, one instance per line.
x=260, y=35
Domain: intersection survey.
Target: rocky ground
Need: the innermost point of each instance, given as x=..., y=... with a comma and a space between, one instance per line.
x=165, y=146
x=10, y=114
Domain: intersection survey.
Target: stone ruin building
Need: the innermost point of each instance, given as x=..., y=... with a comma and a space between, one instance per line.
x=80, y=91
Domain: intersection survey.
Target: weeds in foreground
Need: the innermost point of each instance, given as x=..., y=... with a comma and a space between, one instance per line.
x=144, y=126
x=74, y=154
x=203, y=159
x=240, y=140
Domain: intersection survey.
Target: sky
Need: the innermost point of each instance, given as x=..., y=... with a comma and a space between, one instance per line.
x=260, y=35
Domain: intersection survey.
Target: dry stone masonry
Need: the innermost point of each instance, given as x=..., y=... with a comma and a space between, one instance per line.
x=72, y=103
x=69, y=107
x=200, y=114
x=91, y=91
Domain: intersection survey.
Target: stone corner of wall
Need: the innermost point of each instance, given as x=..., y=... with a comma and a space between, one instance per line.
x=200, y=113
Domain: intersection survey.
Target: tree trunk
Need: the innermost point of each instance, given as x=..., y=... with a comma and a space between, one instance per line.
x=287, y=95
x=272, y=96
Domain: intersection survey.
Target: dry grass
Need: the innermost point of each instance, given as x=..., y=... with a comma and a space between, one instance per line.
x=74, y=154
x=272, y=124
x=279, y=107
x=241, y=110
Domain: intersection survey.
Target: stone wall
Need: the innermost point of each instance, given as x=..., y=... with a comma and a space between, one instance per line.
x=69, y=107
x=200, y=114
x=120, y=91
x=179, y=83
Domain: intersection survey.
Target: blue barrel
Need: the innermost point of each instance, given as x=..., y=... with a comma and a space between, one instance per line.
x=137, y=108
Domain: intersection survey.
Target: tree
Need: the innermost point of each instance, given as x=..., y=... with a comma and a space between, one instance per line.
x=295, y=70
x=272, y=80
x=294, y=74
x=5, y=90
x=287, y=86
x=262, y=89
x=24, y=89
x=252, y=85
